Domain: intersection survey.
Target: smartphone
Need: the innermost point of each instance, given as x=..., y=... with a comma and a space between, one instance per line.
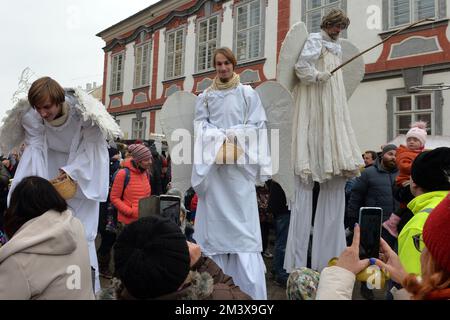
x=370, y=220
x=169, y=207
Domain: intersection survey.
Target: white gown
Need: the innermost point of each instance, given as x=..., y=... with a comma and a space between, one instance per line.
x=227, y=219
x=79, y=148
x=324, y=150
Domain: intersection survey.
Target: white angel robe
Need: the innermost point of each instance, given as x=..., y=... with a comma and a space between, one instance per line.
x=324, y=143
x=227, y=219
x=77, y=147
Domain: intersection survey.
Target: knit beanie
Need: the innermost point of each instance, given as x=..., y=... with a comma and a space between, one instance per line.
x=151, y=257
x=436, y=234
x=387, y=148
x=431, y=169
x=418, y=130
x=139, y=152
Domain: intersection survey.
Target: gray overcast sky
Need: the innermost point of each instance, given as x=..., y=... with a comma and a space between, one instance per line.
x=57, y=38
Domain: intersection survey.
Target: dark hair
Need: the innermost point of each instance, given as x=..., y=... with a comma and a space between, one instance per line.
x=151, y=257
x=227, y=53
x=32, y=197
x=373, y=154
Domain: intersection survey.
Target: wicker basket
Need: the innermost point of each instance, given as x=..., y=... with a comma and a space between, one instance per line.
x=228, y=153
x=67, y=188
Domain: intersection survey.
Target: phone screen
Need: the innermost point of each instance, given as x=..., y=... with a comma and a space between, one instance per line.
x=170, y=208
x=370, y=220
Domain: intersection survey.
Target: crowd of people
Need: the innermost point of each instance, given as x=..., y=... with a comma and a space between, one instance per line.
x=48, y=246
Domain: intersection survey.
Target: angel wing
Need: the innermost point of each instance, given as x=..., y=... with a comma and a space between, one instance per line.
x=94, y=110
x=12, y=134
x=177, y=118
x=279, y=106
x=353, y=73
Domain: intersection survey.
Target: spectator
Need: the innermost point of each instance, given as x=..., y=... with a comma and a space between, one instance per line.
x=4, y=188
x=46, y=240
x=262, y=194
x=429, y=185
x=369, y=158
x=415, y=144
x=156, y=172
x=337, y=282
x=126, y=200
x=281, y=214
x=153, y=261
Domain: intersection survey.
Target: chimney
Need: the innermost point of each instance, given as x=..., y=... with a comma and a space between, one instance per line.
x=95, y=85
x=88, y=86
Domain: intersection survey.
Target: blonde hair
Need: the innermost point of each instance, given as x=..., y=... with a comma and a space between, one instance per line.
x=44, y=89
x=227, y=53
x=335, y=17
x=433, y=278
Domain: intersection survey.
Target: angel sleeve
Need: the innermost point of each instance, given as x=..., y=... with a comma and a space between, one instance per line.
x=208, y=139
x=33, y=161
x=89, y=168
x=305, y=68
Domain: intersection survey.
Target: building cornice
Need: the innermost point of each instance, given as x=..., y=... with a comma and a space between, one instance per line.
x=139, y=22
x=389, y=74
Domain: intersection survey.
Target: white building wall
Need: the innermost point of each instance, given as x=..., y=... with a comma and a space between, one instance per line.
x=365, y=24
x=158, y=128
x=369, y=114
x=270, y=42
x=226, y=39
x=128, y=75
x=442, y=77
x=108, y=79
x=189, y=58
x=161, y=62
x=126, y=124
x=296, y=8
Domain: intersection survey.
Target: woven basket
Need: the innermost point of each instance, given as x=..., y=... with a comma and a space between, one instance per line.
x=228, y=153
x=66, y=188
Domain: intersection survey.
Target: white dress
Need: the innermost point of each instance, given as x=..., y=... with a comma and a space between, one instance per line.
x=324, y=143
x=79, y=148
x=227, y=219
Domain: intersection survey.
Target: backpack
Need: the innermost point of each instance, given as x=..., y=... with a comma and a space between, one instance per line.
x=111, y=215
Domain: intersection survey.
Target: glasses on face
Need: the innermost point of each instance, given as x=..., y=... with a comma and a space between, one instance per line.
x=418, y=242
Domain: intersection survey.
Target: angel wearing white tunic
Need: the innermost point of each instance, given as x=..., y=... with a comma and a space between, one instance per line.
x=65, y=133
x=227, y=223
x=324, y=148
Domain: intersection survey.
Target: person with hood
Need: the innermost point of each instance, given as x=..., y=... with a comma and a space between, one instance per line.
x=47, y=254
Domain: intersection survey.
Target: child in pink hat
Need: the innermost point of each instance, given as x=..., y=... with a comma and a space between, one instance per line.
x=415, y=144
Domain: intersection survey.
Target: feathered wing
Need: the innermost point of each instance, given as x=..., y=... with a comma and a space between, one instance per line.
x=279, y=106
x=292, y=46
x=94, y=110
x=12, y=133
x=290, y=51
x=353, y=72
x=177, y=118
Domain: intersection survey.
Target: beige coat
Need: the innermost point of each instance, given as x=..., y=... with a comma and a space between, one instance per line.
x=47, y=258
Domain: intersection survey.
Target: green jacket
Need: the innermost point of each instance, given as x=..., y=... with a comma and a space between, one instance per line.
x=421, y=207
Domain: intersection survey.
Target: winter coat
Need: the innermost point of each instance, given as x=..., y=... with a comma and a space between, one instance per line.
x=421, y=206
x=138, y=187
x=404, y=160
x=374, y=188
x=337, y=283
x=47, y=259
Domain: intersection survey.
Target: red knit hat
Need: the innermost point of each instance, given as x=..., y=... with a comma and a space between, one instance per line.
x=139, y=152
x=436, y=234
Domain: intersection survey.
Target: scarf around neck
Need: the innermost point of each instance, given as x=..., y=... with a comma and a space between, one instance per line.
x=219, y=85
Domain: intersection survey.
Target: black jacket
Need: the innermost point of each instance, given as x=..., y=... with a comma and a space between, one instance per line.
x=374, y=188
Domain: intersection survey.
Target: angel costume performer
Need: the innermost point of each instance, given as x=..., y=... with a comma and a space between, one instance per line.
x=75, y=143
x=324, y=150
x=227, y=222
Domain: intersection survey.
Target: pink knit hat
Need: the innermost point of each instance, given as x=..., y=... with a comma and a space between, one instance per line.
x=139, y=152
x=418, y=130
